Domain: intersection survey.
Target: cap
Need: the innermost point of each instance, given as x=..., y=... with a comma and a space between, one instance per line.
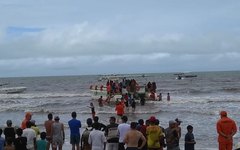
x=56, y=118
x=172, y=122
x=178, y=120
x=9, y=122
x=152, y=119
x=223, y=113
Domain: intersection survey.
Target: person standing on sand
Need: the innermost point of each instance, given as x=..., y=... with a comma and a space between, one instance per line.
x=189, y=139
x=9, y=131
x=74, y=126
x=172, y=137
x=30, y=134
x=85, y=135
x=97, y=139
x=20, y=142
x=133, y=136
x=42, y=143
x=123, y=128
x=154, y=134
x=35, y=128
x=142, y=128
x=162, y=139
x=101, y=125
x=58, y=134
x=9, y=144
x=111, y=134
x=226, y=129
x=2, y=140
x=28, y=117
x=178, y=127
x=48, y=126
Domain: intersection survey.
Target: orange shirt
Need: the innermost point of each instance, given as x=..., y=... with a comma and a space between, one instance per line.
x=227, y=126
x=28, y=117
x=119, y=109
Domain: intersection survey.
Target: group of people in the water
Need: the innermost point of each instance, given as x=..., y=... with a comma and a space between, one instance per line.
x=114, y=87
x=129, y=85
x=129, y=99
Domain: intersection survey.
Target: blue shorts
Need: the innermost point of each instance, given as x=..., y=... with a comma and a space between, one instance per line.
x=75, y=139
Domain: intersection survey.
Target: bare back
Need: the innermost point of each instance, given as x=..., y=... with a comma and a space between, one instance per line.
x=48, y=127
x=132, y=137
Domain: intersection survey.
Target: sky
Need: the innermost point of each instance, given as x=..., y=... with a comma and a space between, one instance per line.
x=82, y=37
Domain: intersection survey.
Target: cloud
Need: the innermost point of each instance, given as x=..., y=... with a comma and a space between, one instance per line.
x=85, y=39
x=58, y=37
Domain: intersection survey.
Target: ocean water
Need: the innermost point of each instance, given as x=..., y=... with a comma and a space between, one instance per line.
x=196, y=101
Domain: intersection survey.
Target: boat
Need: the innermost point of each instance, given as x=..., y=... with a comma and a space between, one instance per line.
x=12, y=90
x=121, y=85
x=181, y=76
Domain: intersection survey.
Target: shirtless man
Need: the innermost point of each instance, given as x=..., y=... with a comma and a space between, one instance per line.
x=48, y=126
x=133, y=136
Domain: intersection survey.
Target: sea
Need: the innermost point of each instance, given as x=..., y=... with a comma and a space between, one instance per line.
x=195, y=101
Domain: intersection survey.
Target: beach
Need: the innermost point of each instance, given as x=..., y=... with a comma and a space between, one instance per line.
x=196, y=101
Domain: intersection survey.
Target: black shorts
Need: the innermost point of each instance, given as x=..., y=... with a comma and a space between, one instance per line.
x=75, y=139
x=132, y=148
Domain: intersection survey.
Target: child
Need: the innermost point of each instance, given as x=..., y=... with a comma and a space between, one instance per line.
x=9, y=144
x=9, y=131
x=20, y=142
x=35, y=128
x=42, y=143
x=2, y=140
x=92, y=110
x=189, y=139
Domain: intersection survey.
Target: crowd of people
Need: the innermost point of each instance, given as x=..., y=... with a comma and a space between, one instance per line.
x=117, y=135
x=139, y=135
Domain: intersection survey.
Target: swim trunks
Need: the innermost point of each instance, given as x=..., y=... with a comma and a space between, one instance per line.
x=132, y=148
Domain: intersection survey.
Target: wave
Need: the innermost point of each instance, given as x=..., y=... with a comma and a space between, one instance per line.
x=43, y=95
x=224, y=101
x=193, y=111
x=231, y=89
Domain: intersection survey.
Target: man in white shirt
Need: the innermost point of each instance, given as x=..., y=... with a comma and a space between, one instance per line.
x=30, y=134
x=97, y=139
x=123, y=128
